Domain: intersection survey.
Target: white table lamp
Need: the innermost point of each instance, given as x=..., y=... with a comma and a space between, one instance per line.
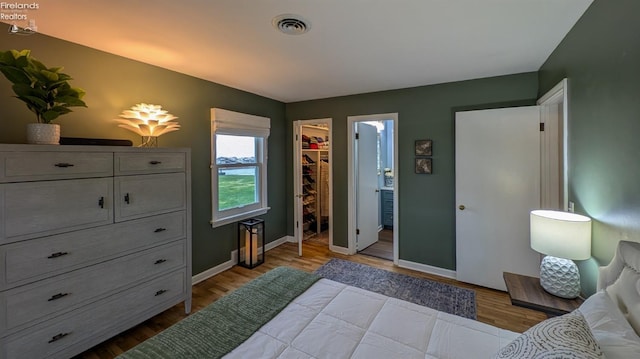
x=563, y=237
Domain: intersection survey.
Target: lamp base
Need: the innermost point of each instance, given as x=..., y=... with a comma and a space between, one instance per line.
x=149, y=141
x=560, y=277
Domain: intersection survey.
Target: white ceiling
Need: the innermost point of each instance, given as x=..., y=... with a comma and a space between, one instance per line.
x=354, y=46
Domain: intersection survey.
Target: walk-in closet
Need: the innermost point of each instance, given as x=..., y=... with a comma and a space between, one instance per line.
x=315, y=181
x=313, y=154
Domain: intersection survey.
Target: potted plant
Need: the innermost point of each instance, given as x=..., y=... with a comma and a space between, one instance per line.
x=45, y=91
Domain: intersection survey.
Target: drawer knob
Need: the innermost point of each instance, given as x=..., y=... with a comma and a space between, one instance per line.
x=57, y=337
x=63, y=165
x=101, y=202
x=57, y=296
x=159, y=261
x=155, y=162
x=127, y=198
x=160, y=230
x=160, y=292
x=57, y=254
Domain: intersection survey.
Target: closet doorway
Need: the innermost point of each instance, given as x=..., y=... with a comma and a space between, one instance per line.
x=373, y=185
x=313, y=182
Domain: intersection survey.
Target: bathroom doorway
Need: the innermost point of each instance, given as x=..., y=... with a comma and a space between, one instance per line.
x=373, y=185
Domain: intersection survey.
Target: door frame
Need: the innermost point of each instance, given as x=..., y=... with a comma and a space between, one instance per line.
x=558, y=95
x=351, y=183
x=297, y=185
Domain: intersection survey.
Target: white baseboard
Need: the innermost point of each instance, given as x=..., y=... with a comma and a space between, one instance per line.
x=447, y=273
x=277, y=242
x=233, y=260
x=339, y=250
x=215, y=270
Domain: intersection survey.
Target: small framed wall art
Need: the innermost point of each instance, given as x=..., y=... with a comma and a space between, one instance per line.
x=424, y=166
x=424, y=147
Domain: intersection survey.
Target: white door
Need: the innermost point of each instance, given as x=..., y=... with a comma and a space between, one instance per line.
x=497, y=185
x=367, y=191
x=297, y=186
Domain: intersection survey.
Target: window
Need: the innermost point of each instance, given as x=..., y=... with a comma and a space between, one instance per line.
x=239, y=166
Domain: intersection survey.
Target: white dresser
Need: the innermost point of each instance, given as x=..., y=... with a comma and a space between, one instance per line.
x=93, y=240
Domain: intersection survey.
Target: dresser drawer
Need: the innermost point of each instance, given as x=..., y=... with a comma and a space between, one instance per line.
x=34, y=166
x=88, y=326
x=145, y=195
x=45, y=257
x=55, y=296
x=141, y=163
x=33, y=209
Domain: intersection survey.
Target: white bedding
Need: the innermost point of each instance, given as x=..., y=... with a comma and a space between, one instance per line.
x=333, y=320
x=615, y=336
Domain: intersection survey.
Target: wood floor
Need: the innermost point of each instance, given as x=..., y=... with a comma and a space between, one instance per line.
x=493, y=306
x=383, y=248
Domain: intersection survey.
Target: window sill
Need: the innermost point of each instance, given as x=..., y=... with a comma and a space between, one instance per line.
x=226, y=220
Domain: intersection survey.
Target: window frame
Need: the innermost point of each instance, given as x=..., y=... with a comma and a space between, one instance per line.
x=224, y=122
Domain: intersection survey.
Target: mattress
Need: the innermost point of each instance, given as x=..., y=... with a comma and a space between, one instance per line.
x=334, y=320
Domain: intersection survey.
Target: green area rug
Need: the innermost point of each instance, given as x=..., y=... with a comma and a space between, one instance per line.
x=217, y=329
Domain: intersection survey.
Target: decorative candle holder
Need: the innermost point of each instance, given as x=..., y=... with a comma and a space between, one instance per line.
x=251, y=243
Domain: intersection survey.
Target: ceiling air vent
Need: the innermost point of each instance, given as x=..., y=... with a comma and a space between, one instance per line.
x=290, y=24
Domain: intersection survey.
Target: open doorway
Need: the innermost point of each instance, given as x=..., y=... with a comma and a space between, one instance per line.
x=373, y=185
x=554, y=116
x=313, y=182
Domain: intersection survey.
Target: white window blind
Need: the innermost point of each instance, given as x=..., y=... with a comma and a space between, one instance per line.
x=227, y=122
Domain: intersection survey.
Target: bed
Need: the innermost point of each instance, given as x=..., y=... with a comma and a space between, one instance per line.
x=287, y=313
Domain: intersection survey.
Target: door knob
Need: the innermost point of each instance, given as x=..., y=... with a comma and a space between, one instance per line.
x=461, y=207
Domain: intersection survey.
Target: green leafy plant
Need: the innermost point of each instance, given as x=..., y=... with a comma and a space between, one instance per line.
x=45, y=91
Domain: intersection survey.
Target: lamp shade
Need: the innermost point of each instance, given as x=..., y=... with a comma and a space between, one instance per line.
x=149, y=121
x=561, y=234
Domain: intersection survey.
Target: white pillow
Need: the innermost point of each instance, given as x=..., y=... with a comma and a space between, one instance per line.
x=616, y=337
x=625, y=293
x=567, y=336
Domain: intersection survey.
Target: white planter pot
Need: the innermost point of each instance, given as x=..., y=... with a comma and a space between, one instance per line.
x=43, y=133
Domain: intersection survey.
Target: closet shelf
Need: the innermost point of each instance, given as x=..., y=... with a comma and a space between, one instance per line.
x=314, y=156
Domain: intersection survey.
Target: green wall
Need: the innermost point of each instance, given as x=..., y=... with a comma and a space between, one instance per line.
x=600, y=57
x=114, y=84
x=426, y=202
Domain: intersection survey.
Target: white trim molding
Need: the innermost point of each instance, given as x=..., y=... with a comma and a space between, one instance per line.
x=340, y=250
x=273, y=244
x=424, y=268
x=202, y=276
